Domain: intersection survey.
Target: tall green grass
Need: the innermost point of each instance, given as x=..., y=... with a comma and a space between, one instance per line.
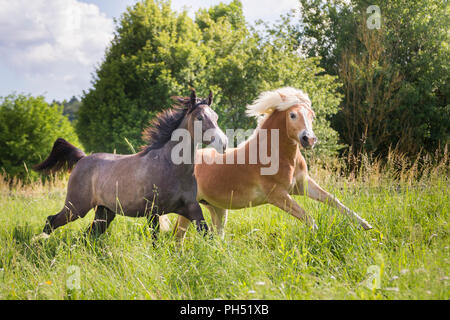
x=266, y=254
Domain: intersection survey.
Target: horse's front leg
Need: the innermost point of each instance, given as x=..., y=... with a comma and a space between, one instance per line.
x=314, y=191
x=284, y=201
x=219, y=219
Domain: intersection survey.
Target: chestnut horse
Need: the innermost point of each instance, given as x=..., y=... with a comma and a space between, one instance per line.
x=223, y=185
x=147, y=184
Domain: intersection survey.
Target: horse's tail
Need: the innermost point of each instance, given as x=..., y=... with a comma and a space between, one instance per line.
x=62, y=157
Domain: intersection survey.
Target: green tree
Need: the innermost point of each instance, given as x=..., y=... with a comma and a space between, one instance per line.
x=395, y=78
x=28, y=128
x=157, y=53
x=70, y=108
x=247, y=61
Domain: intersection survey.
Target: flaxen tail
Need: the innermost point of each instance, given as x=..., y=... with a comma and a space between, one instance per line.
x=62, y=157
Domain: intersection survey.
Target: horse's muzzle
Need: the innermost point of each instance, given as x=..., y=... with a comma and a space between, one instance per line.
x=219, y=142
x=307, y=139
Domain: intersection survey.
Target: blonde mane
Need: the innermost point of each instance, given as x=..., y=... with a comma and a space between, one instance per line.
x=280, y=99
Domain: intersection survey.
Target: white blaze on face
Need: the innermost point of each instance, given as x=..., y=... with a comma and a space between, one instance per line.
x=308, y=124
x=220, y=139
x=214, y=136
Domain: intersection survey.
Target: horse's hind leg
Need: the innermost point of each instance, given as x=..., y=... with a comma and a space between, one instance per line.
x=103, y=217
x=66, y=215
x=78, y=202
x=219, y=219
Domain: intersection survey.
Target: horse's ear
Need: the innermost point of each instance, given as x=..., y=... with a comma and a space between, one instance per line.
x=282, y=96
x=210, y=98
x=193, y=99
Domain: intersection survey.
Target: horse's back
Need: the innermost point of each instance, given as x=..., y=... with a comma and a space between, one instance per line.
x=97, y=163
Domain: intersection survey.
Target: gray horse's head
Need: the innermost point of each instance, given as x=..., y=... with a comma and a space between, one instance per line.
x=201, y=122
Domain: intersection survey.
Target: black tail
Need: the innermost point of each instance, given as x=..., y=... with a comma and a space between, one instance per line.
x=62, y=157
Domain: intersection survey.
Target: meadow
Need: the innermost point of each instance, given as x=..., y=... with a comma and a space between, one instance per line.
x=266, y=254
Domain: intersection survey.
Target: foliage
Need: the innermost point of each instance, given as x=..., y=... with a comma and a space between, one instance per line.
x=157, y=53
x=248, y=61
x=395, y=79
x=28, y=128
x=70, y=108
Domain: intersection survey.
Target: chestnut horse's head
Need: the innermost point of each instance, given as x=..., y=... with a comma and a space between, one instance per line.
x=296, y=106
x=299, y=120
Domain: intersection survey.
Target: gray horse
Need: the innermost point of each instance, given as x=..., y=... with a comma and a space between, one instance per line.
x=146, y=184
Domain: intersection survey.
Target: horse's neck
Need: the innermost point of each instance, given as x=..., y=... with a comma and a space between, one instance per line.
x=287, y=147
x=168, y=147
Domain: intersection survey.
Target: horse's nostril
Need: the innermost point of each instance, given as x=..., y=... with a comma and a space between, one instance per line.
x=213, y=139
x=305, y=138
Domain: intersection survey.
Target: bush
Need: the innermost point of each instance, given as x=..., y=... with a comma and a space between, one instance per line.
x=395, y=78
x=28, y=128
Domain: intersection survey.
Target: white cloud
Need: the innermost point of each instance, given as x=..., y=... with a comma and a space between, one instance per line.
x=55, y=44
x=51, y=47
x=268, y=10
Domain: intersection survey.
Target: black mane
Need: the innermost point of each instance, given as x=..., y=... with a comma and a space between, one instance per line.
x=160, y=130
x=162, y=127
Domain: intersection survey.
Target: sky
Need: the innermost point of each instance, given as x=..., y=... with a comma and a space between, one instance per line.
x=51, y=47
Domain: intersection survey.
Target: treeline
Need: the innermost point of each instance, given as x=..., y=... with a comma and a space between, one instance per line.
x=377, y=76
x=157, y=53
x=70, y=108
x=393, y=62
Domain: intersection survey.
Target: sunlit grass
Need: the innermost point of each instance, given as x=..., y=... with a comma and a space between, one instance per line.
x=266, y=254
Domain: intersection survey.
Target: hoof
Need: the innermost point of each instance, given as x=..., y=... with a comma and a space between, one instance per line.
x=367, y=226
x=48, y=225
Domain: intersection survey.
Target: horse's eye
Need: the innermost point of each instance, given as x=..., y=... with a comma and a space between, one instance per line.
x=199, y=118
x=293, y=115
